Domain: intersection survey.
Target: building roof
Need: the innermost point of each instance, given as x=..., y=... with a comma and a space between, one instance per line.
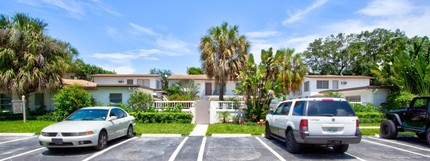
x=118, y=85
x=188, y=77
x=355, y=88
x=125, y=75
x=84, y=83
x=339, y=76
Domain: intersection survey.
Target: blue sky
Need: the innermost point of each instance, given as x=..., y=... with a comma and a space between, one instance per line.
x=134, y=36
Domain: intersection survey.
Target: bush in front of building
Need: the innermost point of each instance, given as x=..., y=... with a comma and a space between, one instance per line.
x=370, y=117
x=162, y=117
x=397, y=100
x=365, y=108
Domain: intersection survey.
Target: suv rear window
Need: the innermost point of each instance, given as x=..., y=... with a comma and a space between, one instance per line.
x=329, y=108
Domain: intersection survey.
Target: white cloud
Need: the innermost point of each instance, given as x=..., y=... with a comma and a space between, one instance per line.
x=406, y=16
x=387, y=8
x=301, y=13
x=138, y=30
x=172, y=44
x=72, y=7
x=121, y=69
x=262, y=34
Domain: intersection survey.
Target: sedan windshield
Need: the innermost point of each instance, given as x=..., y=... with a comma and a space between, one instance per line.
x=88, y=114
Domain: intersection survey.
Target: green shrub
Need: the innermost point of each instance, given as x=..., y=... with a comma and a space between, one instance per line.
x=173, y=90
x=69, y=99
x=398, y=100
x=140, y=101
x=370, y=117
x=162, y=117
x=179, y=97
x=365, y=108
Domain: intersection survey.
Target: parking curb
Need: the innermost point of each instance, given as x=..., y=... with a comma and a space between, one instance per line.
x=231, y=135
x=161, y=135
x=17, y=134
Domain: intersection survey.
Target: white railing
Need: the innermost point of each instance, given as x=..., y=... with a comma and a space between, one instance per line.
x=172, y=104
x=233, y=105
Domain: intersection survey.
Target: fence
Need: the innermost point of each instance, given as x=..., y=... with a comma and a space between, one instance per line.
x=233, y=107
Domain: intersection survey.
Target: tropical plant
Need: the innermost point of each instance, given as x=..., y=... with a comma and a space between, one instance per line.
x=164, y=74
x=224, y=54
x=224, y=115
x=194, y=71
x=261, y=83
x=69, y=99
x=397, y=100
x=140, y=101
x=29, y=60
x=189, y=88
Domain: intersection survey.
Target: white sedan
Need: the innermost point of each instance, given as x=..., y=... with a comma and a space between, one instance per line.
x=90, y=126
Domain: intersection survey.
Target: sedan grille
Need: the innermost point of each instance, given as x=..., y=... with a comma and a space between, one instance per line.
x=49, y=134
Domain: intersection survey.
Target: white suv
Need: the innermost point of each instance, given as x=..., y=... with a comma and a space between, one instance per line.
x=319, y=121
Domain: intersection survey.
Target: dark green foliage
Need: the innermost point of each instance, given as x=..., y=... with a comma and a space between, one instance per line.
x=84, y=71
x=365, y=108
x=370, y=117
x=397, y=100
x=162, y=117
x=179, y=97
x=164, y=74
x=194, y=71
x=173, y=90
x=140, y=101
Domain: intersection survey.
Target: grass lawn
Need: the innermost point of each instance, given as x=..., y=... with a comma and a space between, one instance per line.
x=235, y=129
x=156, y=128
x=370, y=124
x=21, y=127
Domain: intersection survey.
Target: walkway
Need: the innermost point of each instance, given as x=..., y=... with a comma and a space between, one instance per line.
x=199, y=130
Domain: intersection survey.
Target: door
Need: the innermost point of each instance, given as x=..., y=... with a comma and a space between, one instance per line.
x=202, y=112
x=277, y=115
x=416, y=114
x=208, y=89
x=283, y=119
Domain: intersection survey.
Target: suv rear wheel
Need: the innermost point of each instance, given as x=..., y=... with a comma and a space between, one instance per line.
x=388, y=129
x=428, y=135
x=341, y=148
x=291, y=143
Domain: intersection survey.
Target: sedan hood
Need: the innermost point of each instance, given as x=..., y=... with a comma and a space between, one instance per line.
x=74, y=126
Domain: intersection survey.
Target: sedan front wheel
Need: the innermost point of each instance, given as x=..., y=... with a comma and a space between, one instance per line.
x=102, y=141
x=130, y=132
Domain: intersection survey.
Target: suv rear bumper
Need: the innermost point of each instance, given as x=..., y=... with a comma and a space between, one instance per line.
x=304, y=138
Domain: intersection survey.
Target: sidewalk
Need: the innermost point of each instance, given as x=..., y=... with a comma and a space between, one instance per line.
x=199, y=130
x=369, y=127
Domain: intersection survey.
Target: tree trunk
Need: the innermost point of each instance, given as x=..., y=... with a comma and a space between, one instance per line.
x=221, y=90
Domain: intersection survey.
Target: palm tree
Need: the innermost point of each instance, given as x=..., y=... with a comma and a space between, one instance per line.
x=292, y=70
x=29, y=60
x=224, y=54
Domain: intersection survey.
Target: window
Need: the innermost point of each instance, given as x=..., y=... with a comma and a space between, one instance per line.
x=279, y=109
x=335, y=84
x=298, y=108
x=118, y=113
x=121, y=81
x=306, y=88
x=39, y=99
x=420, y=104
x=129, y=81
x=329, y=108
x=5, y=103
x=218, y=88
x=353, y=98
x=143, y=82
x=286, y=108
x=115, y=98
x=158, y=84
x=322, y=84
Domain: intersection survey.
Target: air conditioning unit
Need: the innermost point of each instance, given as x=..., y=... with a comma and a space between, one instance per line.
x=343, y=82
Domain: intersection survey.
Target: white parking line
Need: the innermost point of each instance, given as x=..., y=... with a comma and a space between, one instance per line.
x=355, y=156
x=394, y=142
x=270, y=149
x=427, y=156
x=202, y=149
x=17, y=140
x=172, y=158
x=31, y=151
x=107, y=149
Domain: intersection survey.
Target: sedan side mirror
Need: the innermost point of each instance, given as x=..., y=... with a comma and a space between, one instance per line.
x=113, y=118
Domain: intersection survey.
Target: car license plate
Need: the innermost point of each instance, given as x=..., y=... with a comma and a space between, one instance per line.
x=332, y=129
x=57, y=141
x=334, y=142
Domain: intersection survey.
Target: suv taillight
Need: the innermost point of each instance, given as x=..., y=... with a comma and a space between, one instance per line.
x=356, y=123
x=304, y=125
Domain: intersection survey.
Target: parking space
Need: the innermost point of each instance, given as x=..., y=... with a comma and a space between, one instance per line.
x=213, y=149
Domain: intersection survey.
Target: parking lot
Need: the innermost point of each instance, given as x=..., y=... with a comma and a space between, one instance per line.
x=213, y=149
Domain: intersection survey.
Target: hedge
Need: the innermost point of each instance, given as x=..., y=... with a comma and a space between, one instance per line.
x=370, y=117
x=162, y=117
